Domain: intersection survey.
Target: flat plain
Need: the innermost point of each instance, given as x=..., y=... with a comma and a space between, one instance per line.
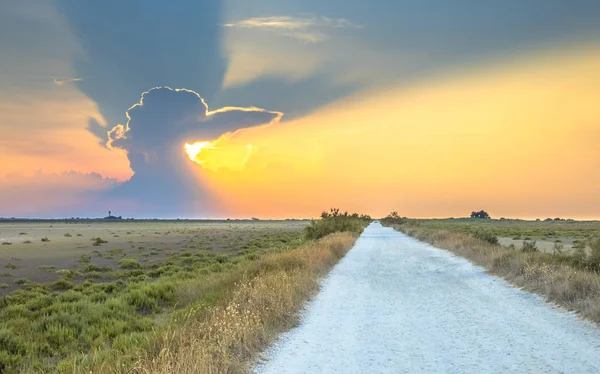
x=43, y=251
x=546, y=233
x=96, y=292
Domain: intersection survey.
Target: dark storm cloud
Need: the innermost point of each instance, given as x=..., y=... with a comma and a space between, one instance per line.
x=166, y=180
x=419, y=40
x=129, y=46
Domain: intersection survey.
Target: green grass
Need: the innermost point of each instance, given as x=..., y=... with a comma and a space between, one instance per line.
x=107, y=312
x=129, y=263
x=519, y=229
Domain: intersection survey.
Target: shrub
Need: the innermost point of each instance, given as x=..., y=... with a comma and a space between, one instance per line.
x=93, y=275
x=557, y=250
x=334, y=221
x=11, y=266
x=595, y=253
x=579, y=257
x=45, y=239
x=6, y=243
x=21, y=281
x=27, y=242
x=66, y=273
x=129, y=263
x=61, y=285
x=47, y=267
x=91, y=268
x=529, y=246
x=67, y=235
x=116, y=251
x=12, y=344
x=486, y=236
x=142, y=302
x=97, y=241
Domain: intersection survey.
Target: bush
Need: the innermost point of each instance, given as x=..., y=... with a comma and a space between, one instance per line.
x=45, y=240
x=595, y=254
x=486, y=236
x=529, y=247
x=98, y=241
x=61, y=285
x=129, y=263
x=66, y=273
x=334, y=221
x=394, y=219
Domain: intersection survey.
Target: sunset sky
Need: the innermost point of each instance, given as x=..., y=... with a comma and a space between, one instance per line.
x=285, y=108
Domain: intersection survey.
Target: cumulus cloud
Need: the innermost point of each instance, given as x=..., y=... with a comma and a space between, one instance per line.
x=165, y=180
x=311, y=29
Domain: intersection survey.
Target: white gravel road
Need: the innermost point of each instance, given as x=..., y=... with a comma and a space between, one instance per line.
x=396, y=305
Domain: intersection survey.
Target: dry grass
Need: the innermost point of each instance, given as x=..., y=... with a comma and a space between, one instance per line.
x=263, y=302
x=550, y=276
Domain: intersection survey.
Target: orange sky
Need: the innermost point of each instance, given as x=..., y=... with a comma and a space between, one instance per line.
x=518, y=138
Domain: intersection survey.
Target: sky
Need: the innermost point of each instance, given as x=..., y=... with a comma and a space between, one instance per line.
x=282, y=109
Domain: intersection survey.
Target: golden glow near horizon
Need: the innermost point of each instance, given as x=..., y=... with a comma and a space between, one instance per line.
x=517, y=139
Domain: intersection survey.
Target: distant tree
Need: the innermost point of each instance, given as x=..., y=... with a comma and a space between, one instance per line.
x=394, y=215
x=482, y=214
x=395, y=218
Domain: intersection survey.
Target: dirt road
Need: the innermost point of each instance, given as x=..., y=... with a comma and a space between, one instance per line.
x=396, y=305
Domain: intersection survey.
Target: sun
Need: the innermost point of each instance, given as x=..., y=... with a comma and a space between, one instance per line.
x=194, y=149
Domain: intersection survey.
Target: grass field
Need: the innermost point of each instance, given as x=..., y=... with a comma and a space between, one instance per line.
x=101, y=295
x=41, y=252
x=545, y=233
